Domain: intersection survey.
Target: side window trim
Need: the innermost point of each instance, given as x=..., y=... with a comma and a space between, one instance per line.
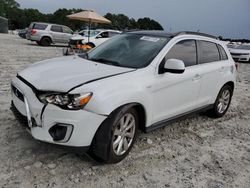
x=219, y=51
x=197, y=56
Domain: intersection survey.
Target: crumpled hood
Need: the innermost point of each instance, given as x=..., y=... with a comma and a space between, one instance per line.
x=62, y=74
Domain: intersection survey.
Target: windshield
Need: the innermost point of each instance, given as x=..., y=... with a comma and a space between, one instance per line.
x=128, y=50
x=243, y=47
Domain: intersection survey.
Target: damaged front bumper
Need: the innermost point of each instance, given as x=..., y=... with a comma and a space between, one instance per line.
x=50, y=123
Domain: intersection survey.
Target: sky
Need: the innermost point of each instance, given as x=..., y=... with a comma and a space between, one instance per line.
x=228, y=18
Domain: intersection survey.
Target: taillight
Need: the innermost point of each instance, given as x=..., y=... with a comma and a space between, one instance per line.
x=33, y=31
x=237, y=66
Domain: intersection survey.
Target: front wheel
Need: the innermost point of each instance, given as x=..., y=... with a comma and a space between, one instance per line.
x=222, y=102
x=116, y=136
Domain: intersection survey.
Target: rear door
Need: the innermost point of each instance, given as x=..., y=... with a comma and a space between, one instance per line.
x=56, y=33
x=176, y=94
x=210, y=67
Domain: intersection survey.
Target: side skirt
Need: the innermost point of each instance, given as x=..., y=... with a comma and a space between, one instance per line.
x=166, y=122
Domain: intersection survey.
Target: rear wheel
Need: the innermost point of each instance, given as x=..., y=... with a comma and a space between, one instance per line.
x=45, y=41
x=38, y=42
x=222, y=102
x=115, y=137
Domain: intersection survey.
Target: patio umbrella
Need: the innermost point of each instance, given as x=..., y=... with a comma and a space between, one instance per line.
x=89, y=16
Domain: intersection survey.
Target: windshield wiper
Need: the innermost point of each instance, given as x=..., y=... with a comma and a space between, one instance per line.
x=105, y=61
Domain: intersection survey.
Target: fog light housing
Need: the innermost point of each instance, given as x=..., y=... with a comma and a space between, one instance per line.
x=61, y=132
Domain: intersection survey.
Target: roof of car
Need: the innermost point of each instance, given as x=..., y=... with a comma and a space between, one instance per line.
x=48, y=23
x=169, y=35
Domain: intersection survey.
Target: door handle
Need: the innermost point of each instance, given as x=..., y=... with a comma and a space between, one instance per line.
x=197, y=77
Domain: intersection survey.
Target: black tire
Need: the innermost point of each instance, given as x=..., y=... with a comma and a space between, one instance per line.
x=45, y=41
x=215, y=112
x=38, y=43
x=102, y=149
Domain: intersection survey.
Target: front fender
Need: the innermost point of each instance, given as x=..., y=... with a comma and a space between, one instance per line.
x=106, y=105
x=114, y=92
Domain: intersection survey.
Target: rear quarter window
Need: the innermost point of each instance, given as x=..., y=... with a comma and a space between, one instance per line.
x=223, y=54
x=40, y=26
x=208, y=52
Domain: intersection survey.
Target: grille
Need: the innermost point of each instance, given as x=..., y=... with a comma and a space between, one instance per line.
x=238, y=54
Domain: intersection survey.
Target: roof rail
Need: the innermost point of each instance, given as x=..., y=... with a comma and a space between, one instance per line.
x=195, y=33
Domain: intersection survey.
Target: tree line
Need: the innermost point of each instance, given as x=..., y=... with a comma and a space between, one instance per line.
x=21, y=18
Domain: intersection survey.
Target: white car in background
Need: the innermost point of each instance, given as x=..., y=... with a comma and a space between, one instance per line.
x=240, y=53
x=137, y=80
x=96, y=37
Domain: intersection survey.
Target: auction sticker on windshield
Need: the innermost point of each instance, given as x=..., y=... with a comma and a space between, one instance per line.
x=151, y=39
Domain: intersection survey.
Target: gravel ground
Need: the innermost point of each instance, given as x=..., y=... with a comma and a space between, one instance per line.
x=196, y=152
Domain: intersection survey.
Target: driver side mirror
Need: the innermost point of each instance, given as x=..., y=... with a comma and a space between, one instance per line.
x=175, y=66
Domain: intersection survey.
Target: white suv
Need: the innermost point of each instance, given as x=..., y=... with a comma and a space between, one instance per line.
x=136, y=80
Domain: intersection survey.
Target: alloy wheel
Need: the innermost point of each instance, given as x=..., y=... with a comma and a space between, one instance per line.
x=224, y=101
x=124, y=134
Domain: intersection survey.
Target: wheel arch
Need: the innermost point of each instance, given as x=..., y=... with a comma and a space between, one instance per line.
x=100, y=149
x=230, y=83
x=47, y=36
x=140, y=109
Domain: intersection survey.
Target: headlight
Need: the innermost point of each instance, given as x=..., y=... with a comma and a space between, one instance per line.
x=67, y=101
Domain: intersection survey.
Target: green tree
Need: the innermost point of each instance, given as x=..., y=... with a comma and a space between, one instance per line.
x=21, y=18
x=60, y=17
x=148, y=24
x=6, y=5
x=122, y=22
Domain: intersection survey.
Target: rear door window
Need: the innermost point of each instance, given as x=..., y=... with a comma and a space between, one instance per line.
x=184, y=50
x=208, y=52
x=56, y=28
x=40, y=26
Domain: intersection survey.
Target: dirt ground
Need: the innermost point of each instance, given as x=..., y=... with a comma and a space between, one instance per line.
x=196, y=152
